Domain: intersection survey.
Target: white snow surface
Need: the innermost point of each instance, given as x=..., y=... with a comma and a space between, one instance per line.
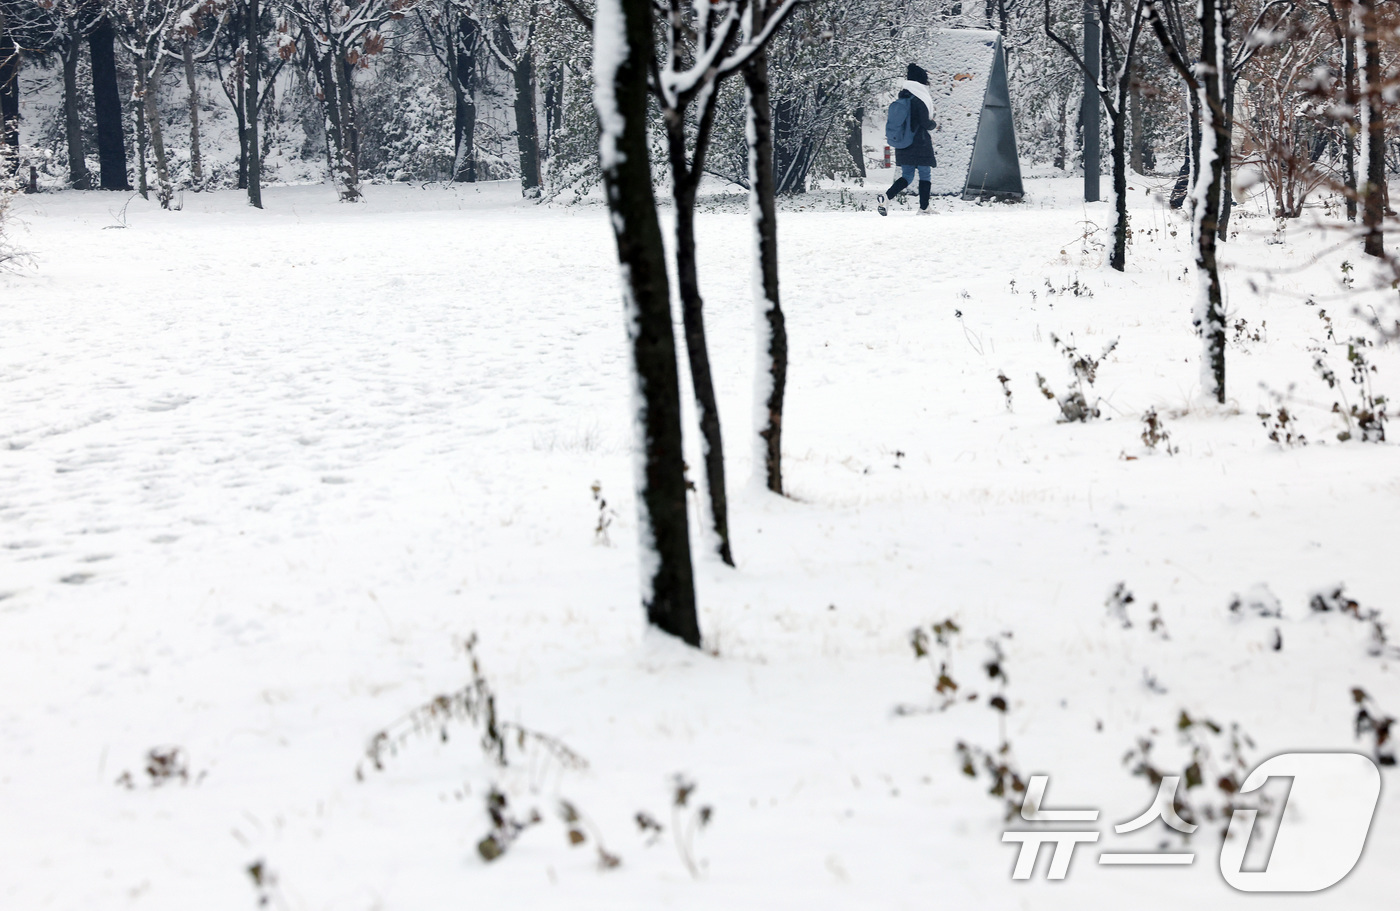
x=261, y=473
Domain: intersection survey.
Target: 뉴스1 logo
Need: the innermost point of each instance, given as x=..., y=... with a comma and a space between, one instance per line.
x=1313, y=849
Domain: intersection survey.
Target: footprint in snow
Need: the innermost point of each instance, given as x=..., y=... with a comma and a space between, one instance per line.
x=168, y=403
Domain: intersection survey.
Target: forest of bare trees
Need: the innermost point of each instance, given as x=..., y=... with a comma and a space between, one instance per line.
x=182, y=95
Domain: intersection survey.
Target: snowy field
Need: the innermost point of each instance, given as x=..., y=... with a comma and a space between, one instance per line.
x=264, y=474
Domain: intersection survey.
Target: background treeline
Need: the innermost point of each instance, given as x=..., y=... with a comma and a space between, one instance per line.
x=168, y=95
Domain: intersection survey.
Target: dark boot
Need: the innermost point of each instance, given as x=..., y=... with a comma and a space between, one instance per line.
x=895, y=189
x=925, y=187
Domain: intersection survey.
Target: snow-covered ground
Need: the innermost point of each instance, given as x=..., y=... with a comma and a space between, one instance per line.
x=263, y=474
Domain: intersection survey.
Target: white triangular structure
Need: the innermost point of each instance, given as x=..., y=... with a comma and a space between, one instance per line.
x=975, y=138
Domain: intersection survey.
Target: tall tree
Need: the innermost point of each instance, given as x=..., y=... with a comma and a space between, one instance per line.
x=1373, y=123
x=251, y=64
x=1235, y=56
x=69, y=22
x=770, y=333
x=192, y=84
x=1120, y=24
x=689, y=76
x=622, y=54
x=9, y=98
x=455, y=37
x=511, y=37
x=246, y=30
x=107, y=106
x=829, y=61
x=1204, y=78
x=704, y=43
x=78, y=176
x=336, y=40
x=1282, y=126
x=149, y=29
x=1341, y=17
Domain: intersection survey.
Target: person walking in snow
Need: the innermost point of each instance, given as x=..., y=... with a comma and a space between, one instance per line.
x=907, y=130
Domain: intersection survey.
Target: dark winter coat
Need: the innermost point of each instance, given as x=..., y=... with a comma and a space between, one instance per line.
x=920, y=151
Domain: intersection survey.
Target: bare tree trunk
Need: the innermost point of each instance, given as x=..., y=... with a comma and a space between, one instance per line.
x=684, y=181
x=1210, y=310
x=1135, y=112
x=78, y=176
x=196, y=162
x=251, y=65
x=330, y=104
x=150, y=82
x=770, y=382
x=142, y=130
x=1089, y=114
x=1353, y=102
x=1119, y=129
x=1373, y=213
x=792, y=155
x=1227, y=159
x=347, y=130
x=668, y=589
x=1061, y=134
x=1194, y=137
x=855, y=138
x=464, y=81
x=1203, y=78
x=9, y=101
x=527, y=130
x=553, y=108
x=1225, y=12
x=267, y=104
x=107, y=106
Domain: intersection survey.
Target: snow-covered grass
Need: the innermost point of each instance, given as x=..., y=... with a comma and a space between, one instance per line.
x=262, y=474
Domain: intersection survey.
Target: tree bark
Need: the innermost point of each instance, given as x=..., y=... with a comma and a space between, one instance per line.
x=1348, y=134
x=855, y=138
x=346, y=131
x=107, y=106
x=142, y=131
x=267, y=108
x=9, y=100
x=148, y=81
x=527, y=131
x=792, y=156
x=1061, y=134
x=252, y=63
x=330, y=104
x=240, y=112
x=1193, y=118
x=78, y=176
x=1227, y=150
x=685, y=178
x=1118, y=126
x=1373, y=212
x=1093, y=76
x=464, y=83
x=1099, y=54
x=1203, y=78
x=1210, y=310
x=553, y=108
x=1135, y=112
x=668, y=589
x=771, y=331
x=196, y=161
